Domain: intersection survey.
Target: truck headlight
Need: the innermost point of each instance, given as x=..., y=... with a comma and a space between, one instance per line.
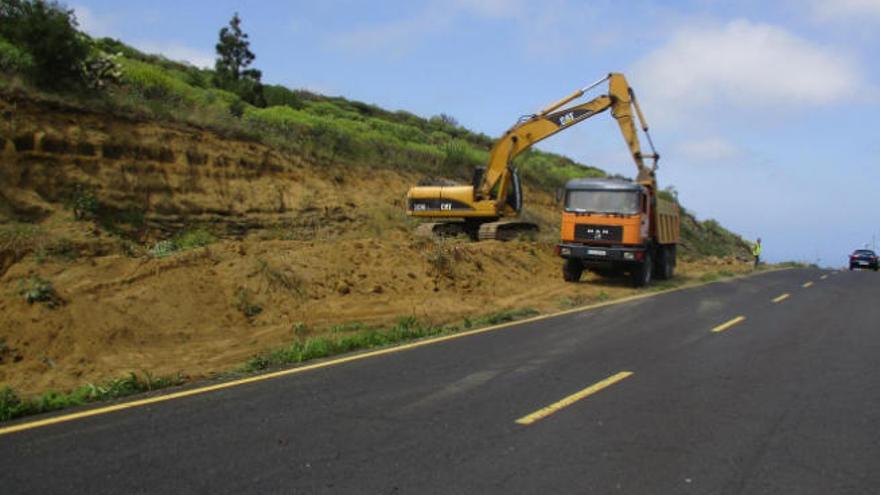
x=629, y=256
x=565, y=251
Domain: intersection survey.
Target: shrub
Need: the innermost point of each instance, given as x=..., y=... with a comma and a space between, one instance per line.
x=83, y=202
x=280, y=96
x=154, y=82
x=40, y=290
x=191, y=239
x=101, y=69
x=47, y=32
x=11, y=405
x=163, y=248
x=14, y=59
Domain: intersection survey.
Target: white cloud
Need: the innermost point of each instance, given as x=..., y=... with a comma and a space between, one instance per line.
x=437, y=17
x=93, y=24
x=178, y=51
x=846, y=9
x=711, y=149
x=745, y=68
x=105, y=25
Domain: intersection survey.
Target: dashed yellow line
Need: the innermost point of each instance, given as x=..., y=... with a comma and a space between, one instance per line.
x=807, y=285
x=823, y=277
x=571, y=399
x=782, y=297
x=725, y=326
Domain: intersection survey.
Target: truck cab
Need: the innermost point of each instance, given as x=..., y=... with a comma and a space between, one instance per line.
x=612, y=225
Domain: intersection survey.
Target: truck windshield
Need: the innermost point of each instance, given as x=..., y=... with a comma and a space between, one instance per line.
x=620, y=202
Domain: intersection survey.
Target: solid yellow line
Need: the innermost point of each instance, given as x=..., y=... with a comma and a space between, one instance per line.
x=571, y=399
x=724, y=326
x=332, y=362
x=781, y=298
x=807, y=285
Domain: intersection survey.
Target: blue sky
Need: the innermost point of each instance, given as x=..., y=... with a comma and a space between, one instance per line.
x=762, y=110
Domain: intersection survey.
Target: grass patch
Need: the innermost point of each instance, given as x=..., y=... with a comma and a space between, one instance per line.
x=21, y=238
x=709, y=277
x=716, y=276
x=341, y=339
x=14, y=406
x=186, y=240
x=573, y=302
x=501, y=317
x=356, y=336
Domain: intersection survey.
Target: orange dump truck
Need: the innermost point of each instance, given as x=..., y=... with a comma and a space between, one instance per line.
x=617, y=226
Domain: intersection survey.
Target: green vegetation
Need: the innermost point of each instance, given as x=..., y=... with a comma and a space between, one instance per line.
x=357, y=336
x=709, y=238
x=500, y=317
x=12, y=406
x=39, y=39
x=38, y=289
x=21, y=238
x=341, y=339
x=185, y=240
x=717, y=275
x=84, y=203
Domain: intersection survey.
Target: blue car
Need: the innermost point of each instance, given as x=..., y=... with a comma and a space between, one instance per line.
x=863, y=258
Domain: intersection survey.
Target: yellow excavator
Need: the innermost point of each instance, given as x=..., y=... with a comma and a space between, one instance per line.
x=487, y=208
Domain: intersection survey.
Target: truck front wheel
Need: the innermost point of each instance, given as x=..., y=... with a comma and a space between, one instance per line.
x=572, y=270
x=641, y=273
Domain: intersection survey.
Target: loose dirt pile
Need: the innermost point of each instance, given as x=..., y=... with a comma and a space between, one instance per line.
x=209, y=309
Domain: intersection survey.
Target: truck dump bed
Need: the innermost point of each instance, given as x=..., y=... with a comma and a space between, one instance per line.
x=667, y=221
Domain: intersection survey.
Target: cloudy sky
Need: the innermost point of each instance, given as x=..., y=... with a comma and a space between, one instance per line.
x=763, y=111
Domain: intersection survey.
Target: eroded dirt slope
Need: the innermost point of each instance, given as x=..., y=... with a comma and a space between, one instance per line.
x=302, y=247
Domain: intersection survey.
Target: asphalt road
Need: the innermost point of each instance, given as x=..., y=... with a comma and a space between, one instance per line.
x=786, y=400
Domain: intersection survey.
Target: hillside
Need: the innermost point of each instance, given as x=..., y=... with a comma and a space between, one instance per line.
x=163, y=226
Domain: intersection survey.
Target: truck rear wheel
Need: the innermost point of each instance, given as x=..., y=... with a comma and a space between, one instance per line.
x=572, y=270
x=664, y=268
x=641, y=273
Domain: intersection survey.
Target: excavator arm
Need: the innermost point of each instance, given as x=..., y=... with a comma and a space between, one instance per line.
x=554, y=118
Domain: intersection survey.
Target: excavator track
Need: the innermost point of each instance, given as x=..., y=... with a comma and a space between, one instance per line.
x=505, y=230
x=441, y=229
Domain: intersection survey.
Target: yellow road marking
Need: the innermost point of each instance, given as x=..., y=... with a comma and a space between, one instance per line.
x=571, y=399
x=781, y=298
x=823, y=277
x=333, y=362
x=807, y=285
x=724, y=326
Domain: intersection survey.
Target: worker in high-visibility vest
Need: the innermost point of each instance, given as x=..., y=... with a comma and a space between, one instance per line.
x=756, y=252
